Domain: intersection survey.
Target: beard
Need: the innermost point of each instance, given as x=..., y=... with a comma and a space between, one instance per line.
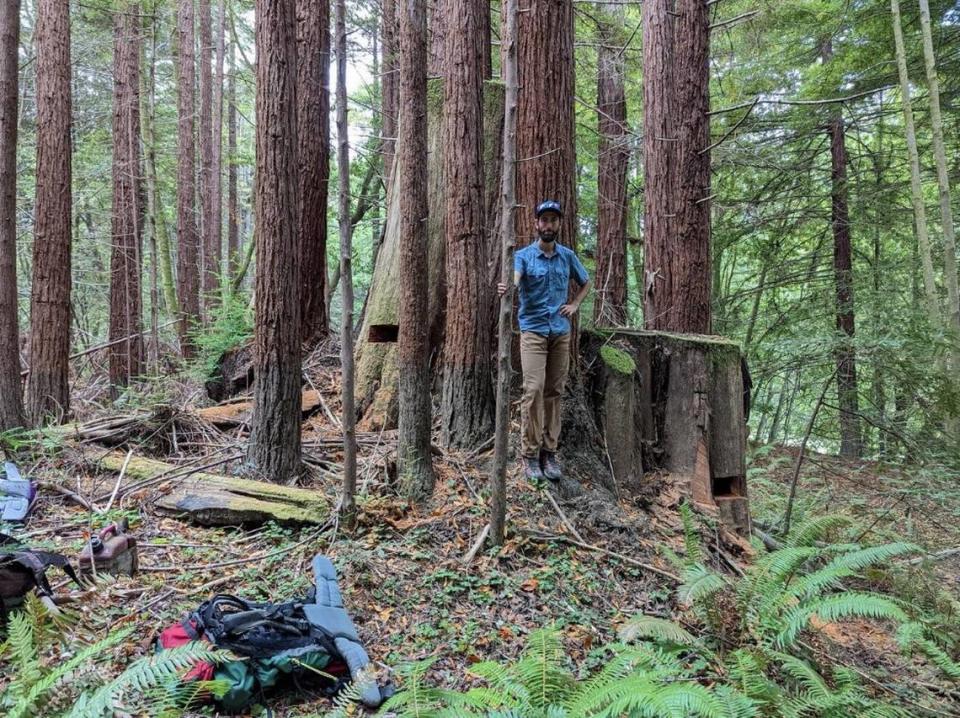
x=548, y=236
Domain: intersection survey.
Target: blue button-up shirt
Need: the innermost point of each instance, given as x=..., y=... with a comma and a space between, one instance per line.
x=545, y=286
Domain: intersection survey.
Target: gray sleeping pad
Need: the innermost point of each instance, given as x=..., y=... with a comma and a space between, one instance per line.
x=329, y=614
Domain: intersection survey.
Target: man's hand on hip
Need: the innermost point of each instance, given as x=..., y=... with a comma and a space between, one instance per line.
x=568, y=310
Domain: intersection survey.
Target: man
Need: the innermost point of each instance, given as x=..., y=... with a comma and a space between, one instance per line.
x=542, y=272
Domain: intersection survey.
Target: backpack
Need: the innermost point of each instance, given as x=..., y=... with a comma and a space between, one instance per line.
x=23, y=569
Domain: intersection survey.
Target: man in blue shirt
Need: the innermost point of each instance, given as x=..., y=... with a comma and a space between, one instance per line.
x=542, y=272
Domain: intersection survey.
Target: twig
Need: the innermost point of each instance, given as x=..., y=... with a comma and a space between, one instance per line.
x=477, y=545
x=116, y=486
x=563, y=517
x=66, y=492
x=946, y=553
x=600, y=549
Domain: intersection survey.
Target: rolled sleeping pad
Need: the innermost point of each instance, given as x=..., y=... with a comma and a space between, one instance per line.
x=329, y=615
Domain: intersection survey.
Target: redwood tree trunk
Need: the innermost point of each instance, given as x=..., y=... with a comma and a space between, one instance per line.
x=545, y=151
x=210, y=278
x=274, y=449
x=11, y=392
x=611, y=284
x=48, y=389
x=216, y=140
x=850, y=442
x=188, y=241
x=677, y=166
x=467, y=405
x=390, y=97
x=413, y=356
x=126, y=356
x=313, y=128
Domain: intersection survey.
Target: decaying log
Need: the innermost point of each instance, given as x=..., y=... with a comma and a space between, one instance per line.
x=238, y=412
x=217, y=500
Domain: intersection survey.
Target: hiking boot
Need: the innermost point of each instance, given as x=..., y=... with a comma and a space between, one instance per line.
x=531, y=468
x=550, y=465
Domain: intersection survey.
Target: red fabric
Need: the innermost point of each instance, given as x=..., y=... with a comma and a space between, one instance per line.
x=177, y=635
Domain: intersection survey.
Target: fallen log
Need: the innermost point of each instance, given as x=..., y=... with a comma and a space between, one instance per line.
x=239, y=412
x=217, y=500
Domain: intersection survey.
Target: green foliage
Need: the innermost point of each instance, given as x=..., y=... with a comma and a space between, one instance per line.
x=232, y=325
x=75, y=687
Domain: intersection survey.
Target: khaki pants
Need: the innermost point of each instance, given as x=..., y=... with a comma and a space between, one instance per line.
x=545, y=361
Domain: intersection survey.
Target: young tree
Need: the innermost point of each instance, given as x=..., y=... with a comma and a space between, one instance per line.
x=274, y=447
x=233, y=216
x=611, y=292
x=126, y=350
x=209, y=216
x=413, y=359
x=48, y=388
x=467, y=404
x=313, y=157
x=11, y=392
x=349, y=415
x=188, y=241
x=498, y=486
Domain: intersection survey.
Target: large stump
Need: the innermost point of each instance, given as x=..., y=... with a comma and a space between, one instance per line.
x=376, y=387
x=674, y=403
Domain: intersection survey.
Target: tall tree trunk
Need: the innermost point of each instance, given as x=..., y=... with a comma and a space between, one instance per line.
x=677, y=264
x=467, y=404
x=850, y=441
x=313, y=157
x=155, y=205
x=349, y=414
x=390, y=97
x=614, y=154
x=413, y=358
x=233, y=217
x=216, y=141
x=546, y=162
x=11, y=391
x=48, y=388
x=498, y=492
x=943, y=183
x=274, y=448
x=659, y=150
x=916, y=193
x=188, y=240
x=126, y=350
x=210, y=278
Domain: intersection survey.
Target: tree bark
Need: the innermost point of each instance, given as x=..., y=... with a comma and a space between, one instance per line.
x=614, y=154
x=916, y=192
x=48, y=389
x=216, y=172
x=467, y=403
x=546, y=161
x=390, y=97
x=11, y=391
x=233, y=217
x=188, y=240
x=313, y=157
x=498, y=489
x=210, y=278
x=348, y=415
x=126, y=312
x=850, y=440
x=274, y=449
x=413, y=358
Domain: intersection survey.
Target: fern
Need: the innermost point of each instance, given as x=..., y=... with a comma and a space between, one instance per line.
x=914, y=637
x=833, y=608
x=699, y=582
x=815, y=529
x=659, y=629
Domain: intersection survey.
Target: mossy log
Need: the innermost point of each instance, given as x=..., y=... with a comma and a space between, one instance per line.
x=674, y=403
x=376, y=387
x=217, y=500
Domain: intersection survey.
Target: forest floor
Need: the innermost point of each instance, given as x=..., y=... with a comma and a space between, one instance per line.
x=402, y=570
